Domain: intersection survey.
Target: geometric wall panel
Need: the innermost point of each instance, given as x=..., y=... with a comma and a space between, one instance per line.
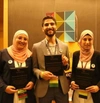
x=59, y=34
x=70, y=26
x=59, y=16
x=70, y=15
x=60, y=26
x=50, y=14
x=69, y=36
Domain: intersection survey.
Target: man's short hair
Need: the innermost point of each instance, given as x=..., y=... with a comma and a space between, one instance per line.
x=48, y=17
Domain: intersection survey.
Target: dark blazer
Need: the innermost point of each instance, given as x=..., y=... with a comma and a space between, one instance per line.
x=39, y=50
x=6, y=62
x=95, y=60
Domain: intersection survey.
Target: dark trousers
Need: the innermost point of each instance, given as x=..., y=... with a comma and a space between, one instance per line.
x=54, y=93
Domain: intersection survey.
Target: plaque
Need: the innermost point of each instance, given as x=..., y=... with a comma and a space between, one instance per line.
x=19, y=77
x=53, y=63
x=84, y=77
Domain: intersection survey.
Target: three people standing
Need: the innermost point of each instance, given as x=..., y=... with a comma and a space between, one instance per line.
x=49, y=86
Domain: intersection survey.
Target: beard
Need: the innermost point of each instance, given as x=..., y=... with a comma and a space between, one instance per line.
x=50, y=32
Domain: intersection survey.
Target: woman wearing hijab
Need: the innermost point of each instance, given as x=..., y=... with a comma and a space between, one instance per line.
x=16, y=77
x=85, y=80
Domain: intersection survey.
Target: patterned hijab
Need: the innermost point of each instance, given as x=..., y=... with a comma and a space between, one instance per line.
x=19, y=55
x=85, y=55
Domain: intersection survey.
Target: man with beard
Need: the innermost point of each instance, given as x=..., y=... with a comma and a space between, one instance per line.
x=50, y=86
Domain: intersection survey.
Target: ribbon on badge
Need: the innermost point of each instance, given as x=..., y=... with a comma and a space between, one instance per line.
x=22, y=94
x=53, y=83
x=83, y=94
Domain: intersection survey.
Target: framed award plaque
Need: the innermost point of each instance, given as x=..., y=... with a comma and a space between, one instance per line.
x=19, y=77
x=53, y=63
x=84, y=77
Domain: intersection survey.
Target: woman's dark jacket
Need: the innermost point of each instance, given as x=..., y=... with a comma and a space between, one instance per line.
x=95, y=64
x=7, y=62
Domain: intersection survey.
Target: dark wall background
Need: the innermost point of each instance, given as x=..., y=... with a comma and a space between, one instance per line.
x=28, y=14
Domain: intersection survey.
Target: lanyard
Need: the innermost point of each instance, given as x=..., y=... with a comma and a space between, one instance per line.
x=56, y=48
x=84, y=65
x=51, y=52
x=19, y=64
x=53, y=47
